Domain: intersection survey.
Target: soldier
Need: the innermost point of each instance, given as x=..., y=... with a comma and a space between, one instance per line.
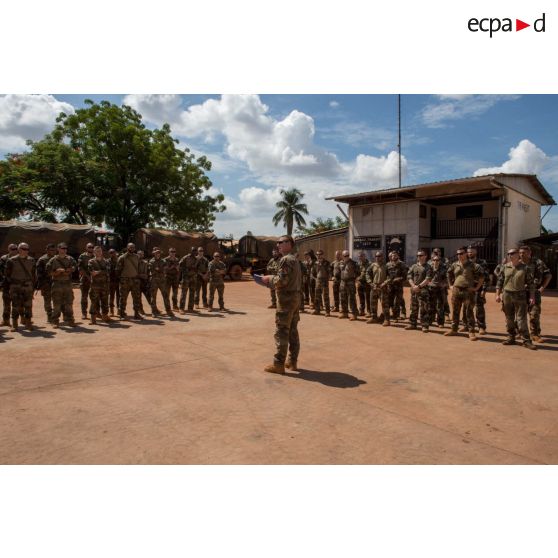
x=6, y=312
x=336, y=275
x=320, y=272
x=61, y=268
x=362, y=286
x=444, y=262
x=143, y=275
x=188, y=276
x=480, y=296
x=304, y=287
x=288, y=284
x=172, y=276
x=99, y=272
x=310, y=259
x=347, y=288
x=465, y=278
x=21, y=276
x=114, y=285
x=217, y=270
x=271, y=269
x=515, y=279
x=157, y=268
x=436, y=288
x=419, y=277
x=84, y=278
x=376, y=276
x=396, y=272
x=201, y=285
x=127, y=268
x=44, y=281
x=541, y=276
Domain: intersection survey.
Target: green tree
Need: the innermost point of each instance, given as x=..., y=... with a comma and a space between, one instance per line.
x=323, y=224
x=290, y=210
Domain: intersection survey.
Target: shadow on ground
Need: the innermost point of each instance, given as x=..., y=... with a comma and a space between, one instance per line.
x=330, y=379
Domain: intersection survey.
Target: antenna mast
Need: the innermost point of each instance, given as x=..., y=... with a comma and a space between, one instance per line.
x=399, y=134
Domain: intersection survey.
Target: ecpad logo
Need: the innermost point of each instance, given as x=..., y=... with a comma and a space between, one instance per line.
x=494, y=24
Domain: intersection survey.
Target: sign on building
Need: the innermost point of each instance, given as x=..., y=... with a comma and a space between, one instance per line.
x=367, y=242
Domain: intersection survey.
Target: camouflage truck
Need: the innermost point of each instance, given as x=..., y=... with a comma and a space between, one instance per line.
x=146, y=239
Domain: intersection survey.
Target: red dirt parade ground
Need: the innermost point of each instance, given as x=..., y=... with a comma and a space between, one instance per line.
x=193, y=390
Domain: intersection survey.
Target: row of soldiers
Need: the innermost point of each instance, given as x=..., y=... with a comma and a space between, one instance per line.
x=521, y=280
x=105, y=282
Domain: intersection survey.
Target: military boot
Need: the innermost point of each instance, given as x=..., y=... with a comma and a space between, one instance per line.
x=138, y=316
x=55, y=324
x=316, y=313
x=386, y=323
x=210, y=309
x=411, y=326
x=28, y=324
x=353, y=318
x=509, y=341
x=275, y=368
x=472, y=336
x=6, y=322
x=537, y=339
x=482, y=331
x=343, y=316
x=14, y=324
x=93, y=320
x=270, y=306
x=327, y=313
x=450, y=333
x=291, y=365
x=529, y=345
x=106, y=318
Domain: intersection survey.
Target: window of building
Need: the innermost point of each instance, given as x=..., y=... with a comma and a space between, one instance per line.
x=468, y=212
x=422, y=212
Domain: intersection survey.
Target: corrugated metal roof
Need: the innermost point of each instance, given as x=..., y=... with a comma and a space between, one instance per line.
x=43, y=225
x=322, y=233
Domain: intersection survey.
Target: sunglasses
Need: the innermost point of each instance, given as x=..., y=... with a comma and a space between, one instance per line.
x=282, y=241
x=62, y=248
x=26, y=249
x=512, y=253
x=461, y=253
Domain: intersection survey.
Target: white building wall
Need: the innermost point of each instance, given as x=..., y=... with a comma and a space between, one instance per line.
x=522, y=219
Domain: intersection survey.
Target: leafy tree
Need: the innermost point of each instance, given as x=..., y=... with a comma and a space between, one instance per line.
x=290, y=210
x=323, y=224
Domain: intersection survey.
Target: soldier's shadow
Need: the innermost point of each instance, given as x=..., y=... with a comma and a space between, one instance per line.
x=77, y=329
x=37, y=332
x=330, y=379
x=233, y=312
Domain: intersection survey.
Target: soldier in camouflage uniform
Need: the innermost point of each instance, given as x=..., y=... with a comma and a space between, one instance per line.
x=203, y=276
x=304, y=286
x=310, y=259
x=157, y=268
x=114, y=285
x=445, y=263
x=84, y=279
x=127, y=268
x=6, y=312
x=172, y=276
x=436, y=289
x=44, y=281
x=480, y=296
x=396, y=272
x=287, y=284
x=419, y=277
x=363, y=288
x=541, y=278
x=336, y=275
x=516, y=278
x=465, y=278
x=271, y=269
x=376, y=276
x=347, y=288
x=99, y=272
x=320, y=272
x=217, y=271
x=61, y=268
x=143, y=275
x=20, y=272
x=188, y=280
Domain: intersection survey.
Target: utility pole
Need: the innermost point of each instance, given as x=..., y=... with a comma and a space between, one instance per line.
x=399, y=134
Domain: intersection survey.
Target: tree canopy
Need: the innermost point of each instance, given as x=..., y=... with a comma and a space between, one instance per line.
x=290, y=210
x=102, y=164
x=323, y=224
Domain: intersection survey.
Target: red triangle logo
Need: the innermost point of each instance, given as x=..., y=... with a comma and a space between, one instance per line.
x=519, y=25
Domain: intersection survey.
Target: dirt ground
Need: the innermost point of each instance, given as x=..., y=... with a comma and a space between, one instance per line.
x=192, y=390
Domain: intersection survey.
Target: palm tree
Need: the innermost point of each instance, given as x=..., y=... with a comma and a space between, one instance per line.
x=290, y=209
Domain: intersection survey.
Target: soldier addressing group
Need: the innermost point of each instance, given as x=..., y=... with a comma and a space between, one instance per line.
x=271, y=269
x=320, y=272
x=363, y=288
x=188, y=281
x=376, y=277
x=157, y=267
x=347, y=288
x=84, y=278
x=336, y=278
x=172, y=276
x=20, y=273
x=217, y=270
x=6, y=300
x=44, y=280
x=202, y=267
x=61, y=268
x=419, y=277
x=99, y=272
x=127, y=269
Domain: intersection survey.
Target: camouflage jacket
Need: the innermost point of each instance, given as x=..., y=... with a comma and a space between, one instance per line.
x=485, y=273
x=320, y=270
x=396, y=272
x=539, y=270
x=100, y=279
x=336, y=270
x=43, y=278
x=464, y=275
x=112, y=269
x=83, y=262
x=273, y=266
x=173, y=267
x=439, y=276
x=157, y=268
x=516, y=279
x=287, y=283
x=349, y=271
x=202, y=266
x=143, y=270
x=21, y=270
x=418, y=273
x=216, y=270
x=188, y=266
x=376, y=274
x=362, y=267
x=65, y=263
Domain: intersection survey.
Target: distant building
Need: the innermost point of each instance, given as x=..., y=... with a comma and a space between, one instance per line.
x=492, y=212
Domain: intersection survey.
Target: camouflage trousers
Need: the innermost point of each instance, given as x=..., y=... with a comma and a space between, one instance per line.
x=84, y=287
x=46, y=292
x=99, y=295
x=127, y=285
x=363, y=290
x=336, y=299
x=462, y=298
x=437, y=310
x=201, y=286
x=21, y=296
x=145, y=290
x=347, y=293
x=62, y=301
x=273, y=296
x=395, y=300
x=7, y=301
x=312, y=289
x=114, y=289
x=172, y=287
x=321, y=296
x=305, y=290
x=479, y=300
x=159, y=284
x=381, y=295
x=514, y=305
x=286, y=332
x=420, y=306
x=187, y=287
x=220, y=288
x=535, y=314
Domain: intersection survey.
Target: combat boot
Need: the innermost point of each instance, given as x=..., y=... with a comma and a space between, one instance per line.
x=210, y=309
x=537, y=339
x=170, y=314
x=353, y=318
x=93, y=320
x=386, y=323
x=509, y=341
x=6, y=322
x=275, y=368
x=137, y=316
x=270, y=306
x=336, y=309
x=473, y=337
x=343, y=316
x=106, y=318
x=411, y=326
x=372, y=321
x=222, y=309
x=14, y=324
x=316, y=313
x=155, y=312
x=55, y=324
x=463, y=329
x=28, y=324
x=72, y=323
x=425, y=330
x=450, y=333
x=327, y=314
x=482, y=331
x=84, y=316
x=529, y=345
x=291, y=365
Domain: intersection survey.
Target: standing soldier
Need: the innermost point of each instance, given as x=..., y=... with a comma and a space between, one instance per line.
x=396, y=272
x=363, y=287
x=84, y=278
x=271, y=269
x=20, y=272
x=480, y=296
x=114, y=285
x=320, y=272
x=201, y=285
x=465, y=278
x=217, y=270
x=188, y=277
x=347, y=288
x=6, y=312
x=288, y=284
x=44, y=281
x=61, y=268
x=336, y=275
x=516, y=278
x=376, y=276
x=436, y=288
x=541, y=278
x=143, y=275
x=157, y=268
x=310, y=259
x=419, y=277
x=304, y=278
x=444, y=262
x=172, y=273
x=127, y=269
x=99, y=272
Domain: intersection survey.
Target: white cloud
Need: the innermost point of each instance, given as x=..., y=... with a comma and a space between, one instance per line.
x=156, y=109
x=525, y=158
x=333, y=104
x=24, y=117
x=456, y=107
x=379, y=171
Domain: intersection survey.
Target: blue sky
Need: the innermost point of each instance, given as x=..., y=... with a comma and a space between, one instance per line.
x=327, y=144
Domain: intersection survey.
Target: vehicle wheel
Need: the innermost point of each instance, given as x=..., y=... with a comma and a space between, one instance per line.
x=235, y=272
